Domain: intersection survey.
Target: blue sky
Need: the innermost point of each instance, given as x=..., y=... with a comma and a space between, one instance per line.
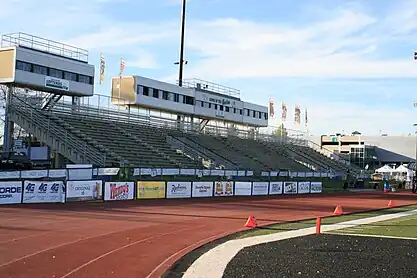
x=349, y=62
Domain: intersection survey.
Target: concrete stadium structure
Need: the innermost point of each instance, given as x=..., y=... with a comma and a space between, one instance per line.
x=370, y=150
x=144, y=123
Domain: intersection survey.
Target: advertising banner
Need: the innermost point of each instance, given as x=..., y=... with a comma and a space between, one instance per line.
x=150, y=190
x=10, y=192
x=202, y=189
x=303, y=187
x=43, y=192
x=275, y=187
x=84, y=190
x=243, y=188
x=290, y=187
x=223, y=188
x=316, y=187
x=260, y=188
x=114, y=191
x=179, y=189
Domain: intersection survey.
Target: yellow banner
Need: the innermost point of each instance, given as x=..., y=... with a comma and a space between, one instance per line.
x=150, y=190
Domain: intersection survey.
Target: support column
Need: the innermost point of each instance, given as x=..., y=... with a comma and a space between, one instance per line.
x=8, y=124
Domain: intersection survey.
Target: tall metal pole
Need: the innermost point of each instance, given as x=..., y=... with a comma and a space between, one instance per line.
x=181, y=62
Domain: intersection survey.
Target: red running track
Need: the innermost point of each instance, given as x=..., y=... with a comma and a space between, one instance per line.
x=141, y=238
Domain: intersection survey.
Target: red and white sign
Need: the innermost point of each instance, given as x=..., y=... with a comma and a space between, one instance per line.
x=202, y=189
x=243, y=188
x=114, y=191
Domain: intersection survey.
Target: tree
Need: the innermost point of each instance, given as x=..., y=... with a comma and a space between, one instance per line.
x=281, y=131
x=356, y=133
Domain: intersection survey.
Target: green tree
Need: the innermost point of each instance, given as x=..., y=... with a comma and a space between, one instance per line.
x=280, y=131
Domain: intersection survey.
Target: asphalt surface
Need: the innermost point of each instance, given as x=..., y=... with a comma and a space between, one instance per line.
x=327, y=256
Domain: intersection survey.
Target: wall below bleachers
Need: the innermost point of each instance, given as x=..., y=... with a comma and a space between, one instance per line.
x=65, y=185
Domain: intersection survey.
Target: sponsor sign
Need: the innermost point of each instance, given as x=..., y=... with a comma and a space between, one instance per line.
x=114, y=191
x=56, y=83
x=202, y=189
x=150, y=190
x=290, y=187
x=10, y=192
x=223, y=188
x=43, y=192
x=84, y=190
x=243, y=188
x=275, y=187
x=316, y=187
x=260, y=188
x=303, y=187
x=180, y=189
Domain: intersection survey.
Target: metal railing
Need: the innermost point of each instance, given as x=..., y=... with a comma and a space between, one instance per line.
x=208, y=86
x=37, y=118
x=45, y=45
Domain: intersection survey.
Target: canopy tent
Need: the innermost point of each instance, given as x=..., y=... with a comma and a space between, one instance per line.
x=403, y=169
x=384, y=169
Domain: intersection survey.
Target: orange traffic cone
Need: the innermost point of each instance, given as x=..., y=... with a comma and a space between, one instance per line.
x=391, y=203
x=338, y=210
x=251, y=223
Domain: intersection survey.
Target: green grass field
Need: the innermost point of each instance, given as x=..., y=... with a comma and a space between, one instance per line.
x=401, y=227
x=325, y=221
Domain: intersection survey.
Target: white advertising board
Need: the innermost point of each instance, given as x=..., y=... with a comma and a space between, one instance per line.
x=43, y=192
x=56, y=83
x=260, y=188
x=179, y=189
x=275, y=187
x=316, y=187
x=290, y=187
x=84, y=190
x=10, y=192
x=243, y=188
x=115, y=191
x=202, y=189
x=223, y=188
x=303, y=187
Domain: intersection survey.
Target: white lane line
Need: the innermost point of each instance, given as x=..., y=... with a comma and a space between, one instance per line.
x=212, y=264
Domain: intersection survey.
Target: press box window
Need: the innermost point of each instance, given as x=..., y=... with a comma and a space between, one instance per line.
x=155, y=93
x=85, y=79
x=176, y=97
x=226, y=108
x=23, y=66
x=70, y=76
x=145, y=91
x=188, y=100
x=40, y=70
x=56, y=73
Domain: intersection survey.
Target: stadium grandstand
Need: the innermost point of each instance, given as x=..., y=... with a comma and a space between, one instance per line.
x=144, y=122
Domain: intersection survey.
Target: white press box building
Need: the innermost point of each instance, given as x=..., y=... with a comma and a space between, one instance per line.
x=44, y=65
x=196, y=99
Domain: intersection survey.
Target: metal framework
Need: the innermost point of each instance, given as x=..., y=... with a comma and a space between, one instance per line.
x=44, y=45
x=208, y=86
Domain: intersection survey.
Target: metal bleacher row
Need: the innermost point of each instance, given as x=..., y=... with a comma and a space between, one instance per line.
x=142, y=144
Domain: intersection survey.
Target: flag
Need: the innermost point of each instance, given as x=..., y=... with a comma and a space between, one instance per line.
x=306, y=117
x=122, y=67
x=283, y=112
x=102, y=68
x=297, y=114
x=271, y=109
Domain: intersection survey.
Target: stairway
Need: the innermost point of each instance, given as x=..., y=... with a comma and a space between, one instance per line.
x=50, y=133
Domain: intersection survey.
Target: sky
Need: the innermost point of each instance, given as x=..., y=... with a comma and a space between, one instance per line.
x=350, y=63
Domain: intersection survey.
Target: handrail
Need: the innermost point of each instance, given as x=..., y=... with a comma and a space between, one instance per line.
x=89, y=153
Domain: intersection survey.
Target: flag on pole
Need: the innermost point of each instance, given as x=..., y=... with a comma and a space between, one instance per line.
x=102, y=68
x=283, y=112
x=306, y=117
x=271, y=109
x=122, y=67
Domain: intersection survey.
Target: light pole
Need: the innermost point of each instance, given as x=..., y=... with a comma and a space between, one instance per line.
x=181, y=61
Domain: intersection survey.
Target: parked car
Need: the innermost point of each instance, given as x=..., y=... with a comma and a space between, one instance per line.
x=15, y=161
